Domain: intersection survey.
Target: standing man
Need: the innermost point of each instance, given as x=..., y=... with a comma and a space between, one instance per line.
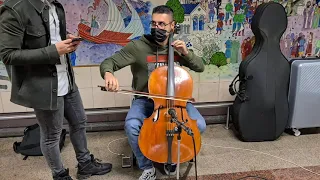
x=34, y=46
x=229, y=11
x=144, y=55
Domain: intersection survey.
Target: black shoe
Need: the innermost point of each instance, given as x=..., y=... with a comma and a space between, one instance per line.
x=92, y=167
x=170, y=170
x=63, y=175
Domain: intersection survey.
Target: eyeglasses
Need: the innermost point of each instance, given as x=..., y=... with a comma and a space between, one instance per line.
x=159, y=24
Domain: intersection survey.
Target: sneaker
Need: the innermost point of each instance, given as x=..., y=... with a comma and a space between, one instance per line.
x=148, y=174
x=172, y=169
x=92, y=167
x=63, y=175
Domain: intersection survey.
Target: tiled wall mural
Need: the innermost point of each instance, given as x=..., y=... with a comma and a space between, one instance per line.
x=219, y=32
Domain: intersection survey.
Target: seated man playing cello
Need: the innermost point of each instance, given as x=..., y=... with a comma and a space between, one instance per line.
x=144, y=55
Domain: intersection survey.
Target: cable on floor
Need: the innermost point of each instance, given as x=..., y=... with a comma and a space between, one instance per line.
x=264, y=154
x=225, y=147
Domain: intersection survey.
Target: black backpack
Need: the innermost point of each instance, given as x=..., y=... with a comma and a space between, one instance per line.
x=30, y=144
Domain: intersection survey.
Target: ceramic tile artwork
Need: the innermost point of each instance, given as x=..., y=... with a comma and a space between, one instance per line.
x=219, y=33
x=207, y=28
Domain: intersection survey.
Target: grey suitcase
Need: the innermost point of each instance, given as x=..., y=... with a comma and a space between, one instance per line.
x=304, y=94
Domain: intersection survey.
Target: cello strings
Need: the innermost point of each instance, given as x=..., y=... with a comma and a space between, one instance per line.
x=235, y=148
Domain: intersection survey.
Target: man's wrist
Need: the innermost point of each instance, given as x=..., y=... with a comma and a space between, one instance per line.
x=186, y=53
x=188, y=56
x=108, y=73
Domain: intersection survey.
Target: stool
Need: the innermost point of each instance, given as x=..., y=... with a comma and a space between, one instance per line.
x=134, y=160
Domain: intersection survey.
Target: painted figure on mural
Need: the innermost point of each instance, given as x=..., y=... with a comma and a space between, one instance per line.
x=292, y=7
x=228, y=45
x=220, y=21
x=229, y=11
x=235, y=51
x=294, y=45
x=254, y=5
x=317, y=51
x=250, y=13
x=243, y=54
x=301, y=44
x=244, y=6
x=211, y=6
x=286, y=42
x=238, y=22
x=94, y=26
x=288, y=8
x=307, y=15
x=204, y=4
x=316, y=16
x=237, y=5
x=309, y=45
x=246, y=48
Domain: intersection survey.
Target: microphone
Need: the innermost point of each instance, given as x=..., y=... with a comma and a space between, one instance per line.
x=173, y=114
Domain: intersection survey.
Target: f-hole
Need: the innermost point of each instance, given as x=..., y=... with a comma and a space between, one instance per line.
x=182, y=118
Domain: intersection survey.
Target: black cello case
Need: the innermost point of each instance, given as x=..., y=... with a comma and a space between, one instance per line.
x=260, y=110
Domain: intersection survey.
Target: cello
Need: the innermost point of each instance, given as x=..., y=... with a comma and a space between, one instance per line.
x=161, y=134
x=169, y=135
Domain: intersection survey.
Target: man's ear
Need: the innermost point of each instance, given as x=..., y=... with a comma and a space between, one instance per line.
x=173, y=25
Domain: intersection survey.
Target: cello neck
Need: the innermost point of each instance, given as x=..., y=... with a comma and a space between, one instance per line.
x=171, y=84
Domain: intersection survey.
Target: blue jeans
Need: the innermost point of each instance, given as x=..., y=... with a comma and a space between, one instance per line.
x=140, y=109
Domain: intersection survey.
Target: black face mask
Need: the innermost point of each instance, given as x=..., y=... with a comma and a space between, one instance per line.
x=158, y=35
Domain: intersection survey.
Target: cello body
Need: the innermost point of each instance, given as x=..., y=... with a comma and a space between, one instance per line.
x=158, y=139
x=260, y=111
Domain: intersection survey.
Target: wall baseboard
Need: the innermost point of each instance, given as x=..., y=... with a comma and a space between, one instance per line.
x=100, y=126
x=96, y=122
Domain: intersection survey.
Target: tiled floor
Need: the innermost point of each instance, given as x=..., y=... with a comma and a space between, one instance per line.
x=274, y=174
x=221, y=153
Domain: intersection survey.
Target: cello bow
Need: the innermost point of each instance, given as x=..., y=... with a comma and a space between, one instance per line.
x=138, y=93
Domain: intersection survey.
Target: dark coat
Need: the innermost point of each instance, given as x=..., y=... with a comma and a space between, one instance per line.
x=28, y=55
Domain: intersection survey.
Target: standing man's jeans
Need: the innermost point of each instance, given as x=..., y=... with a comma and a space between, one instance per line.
x=69, y=106
x=141, y=109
